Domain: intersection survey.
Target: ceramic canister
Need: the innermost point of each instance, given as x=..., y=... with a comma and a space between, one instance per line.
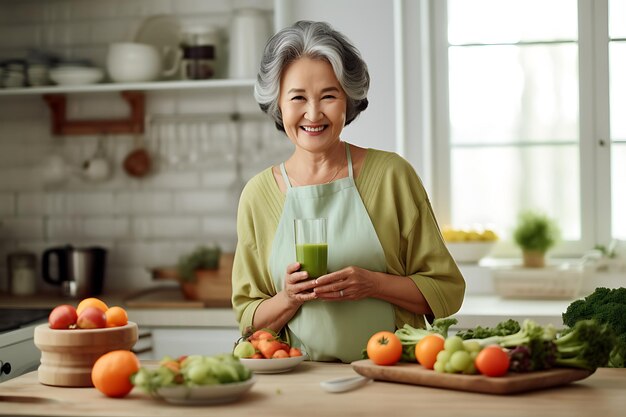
x=249, y=32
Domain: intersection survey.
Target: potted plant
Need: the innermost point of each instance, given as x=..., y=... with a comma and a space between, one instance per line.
x=203, y=257
x=200, y=276
x=535, y=234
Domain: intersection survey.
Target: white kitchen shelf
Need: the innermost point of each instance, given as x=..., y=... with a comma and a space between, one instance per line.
x=116, y=87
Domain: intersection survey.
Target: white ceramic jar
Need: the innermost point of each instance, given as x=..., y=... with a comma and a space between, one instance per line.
x=22, y=273
x=249, y=32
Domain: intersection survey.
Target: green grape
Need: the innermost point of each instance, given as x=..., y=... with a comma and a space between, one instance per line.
x=460, y=360
x=473, y=355
x=471, y=369
x=440, y=367
x=443, y=356
x=448, y=368
x=472, y=346
x=454, y=343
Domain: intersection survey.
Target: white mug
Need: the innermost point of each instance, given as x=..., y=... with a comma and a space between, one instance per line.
x=136, y=62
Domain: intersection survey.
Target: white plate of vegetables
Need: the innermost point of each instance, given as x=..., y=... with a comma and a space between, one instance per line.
x=196, y=379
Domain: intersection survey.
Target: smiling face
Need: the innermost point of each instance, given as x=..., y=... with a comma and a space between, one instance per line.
x=312, y=103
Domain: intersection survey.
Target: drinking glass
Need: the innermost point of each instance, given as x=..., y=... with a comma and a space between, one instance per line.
x=311, y=246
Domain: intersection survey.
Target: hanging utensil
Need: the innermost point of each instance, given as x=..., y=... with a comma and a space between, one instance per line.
x=138, y=163
x=97, y=168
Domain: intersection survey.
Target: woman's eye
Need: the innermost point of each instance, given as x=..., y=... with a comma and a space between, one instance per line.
x=328, y=97
x=297, y=98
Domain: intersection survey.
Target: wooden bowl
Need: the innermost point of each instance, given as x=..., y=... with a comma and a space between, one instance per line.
x=67, y=356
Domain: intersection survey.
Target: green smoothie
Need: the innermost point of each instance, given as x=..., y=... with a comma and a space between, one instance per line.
x=313, y=258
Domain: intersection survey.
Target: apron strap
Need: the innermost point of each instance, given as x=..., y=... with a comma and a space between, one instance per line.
x=285, y=176
x=349, y=157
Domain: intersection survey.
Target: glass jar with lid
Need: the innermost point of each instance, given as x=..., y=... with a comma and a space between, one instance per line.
x=200, y=45
x=22, y=267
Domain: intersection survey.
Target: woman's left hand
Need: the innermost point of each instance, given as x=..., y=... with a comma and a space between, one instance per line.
x=350, y=283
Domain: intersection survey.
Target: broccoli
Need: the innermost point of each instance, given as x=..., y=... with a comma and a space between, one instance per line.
x=503, y=328
x=442, y=325
x=587, y=345
x=607, y=306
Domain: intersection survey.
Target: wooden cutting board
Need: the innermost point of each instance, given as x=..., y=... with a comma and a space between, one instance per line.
x=409, y=373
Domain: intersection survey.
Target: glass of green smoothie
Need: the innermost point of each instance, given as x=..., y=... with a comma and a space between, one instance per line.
x=311, y=246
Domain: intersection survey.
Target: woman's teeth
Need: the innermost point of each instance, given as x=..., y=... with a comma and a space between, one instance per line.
x=313, y=129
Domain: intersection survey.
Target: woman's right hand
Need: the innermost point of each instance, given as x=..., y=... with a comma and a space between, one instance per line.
x=298, y=286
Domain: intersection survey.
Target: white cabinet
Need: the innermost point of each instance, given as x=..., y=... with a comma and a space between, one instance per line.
x=18, y=353
x=192, y=341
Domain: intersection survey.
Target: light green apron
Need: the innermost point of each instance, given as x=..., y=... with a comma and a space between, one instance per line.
x=331, y=331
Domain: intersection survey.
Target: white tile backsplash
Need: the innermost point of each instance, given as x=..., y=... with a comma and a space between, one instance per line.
x=218, y=201
x=166, y=227
x=19, y=228
x=7, y=205
x=143, y=203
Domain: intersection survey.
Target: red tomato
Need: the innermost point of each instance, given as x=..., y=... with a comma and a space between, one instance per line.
x=384, y=348
x=426, y=350
x=492, y=361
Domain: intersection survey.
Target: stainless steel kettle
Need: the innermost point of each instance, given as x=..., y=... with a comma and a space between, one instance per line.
x=80, y=271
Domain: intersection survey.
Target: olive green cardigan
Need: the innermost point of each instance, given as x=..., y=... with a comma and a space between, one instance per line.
x=398, y=206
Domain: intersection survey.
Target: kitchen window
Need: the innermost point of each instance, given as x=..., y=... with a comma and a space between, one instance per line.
x=529, y=97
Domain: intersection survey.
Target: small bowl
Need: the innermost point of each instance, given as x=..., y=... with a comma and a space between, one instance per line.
x=469, y=252
x=76, y=75
x=67, y=356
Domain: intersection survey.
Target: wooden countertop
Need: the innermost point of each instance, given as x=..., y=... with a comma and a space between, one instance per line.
x=298, y=393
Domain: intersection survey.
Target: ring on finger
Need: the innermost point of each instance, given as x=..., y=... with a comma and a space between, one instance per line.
x=341, y=293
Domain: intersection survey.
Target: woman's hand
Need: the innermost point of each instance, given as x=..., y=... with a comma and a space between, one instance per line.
x=298, y=286
x=351, y=283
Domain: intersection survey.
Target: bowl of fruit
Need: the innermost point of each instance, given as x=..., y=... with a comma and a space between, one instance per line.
x=469, y=246
x=264, y=352
x=75, y=337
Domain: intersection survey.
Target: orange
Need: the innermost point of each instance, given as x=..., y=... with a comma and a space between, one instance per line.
x=116, y=316
x=112, y=371
x=427, y=349
x=91, y=302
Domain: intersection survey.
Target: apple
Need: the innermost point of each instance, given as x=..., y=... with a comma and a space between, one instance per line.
x=62, y=317
x=91, y=318
x=244, y=350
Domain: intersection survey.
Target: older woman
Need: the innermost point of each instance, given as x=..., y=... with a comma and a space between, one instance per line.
x=387, y=262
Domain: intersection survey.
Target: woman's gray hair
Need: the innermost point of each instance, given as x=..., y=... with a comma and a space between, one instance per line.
x=315, y=40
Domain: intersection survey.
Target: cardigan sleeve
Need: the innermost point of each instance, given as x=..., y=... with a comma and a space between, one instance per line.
x=406, y=226
x=251, y=280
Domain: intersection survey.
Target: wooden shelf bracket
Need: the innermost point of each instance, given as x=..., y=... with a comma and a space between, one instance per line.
x=133, y=124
